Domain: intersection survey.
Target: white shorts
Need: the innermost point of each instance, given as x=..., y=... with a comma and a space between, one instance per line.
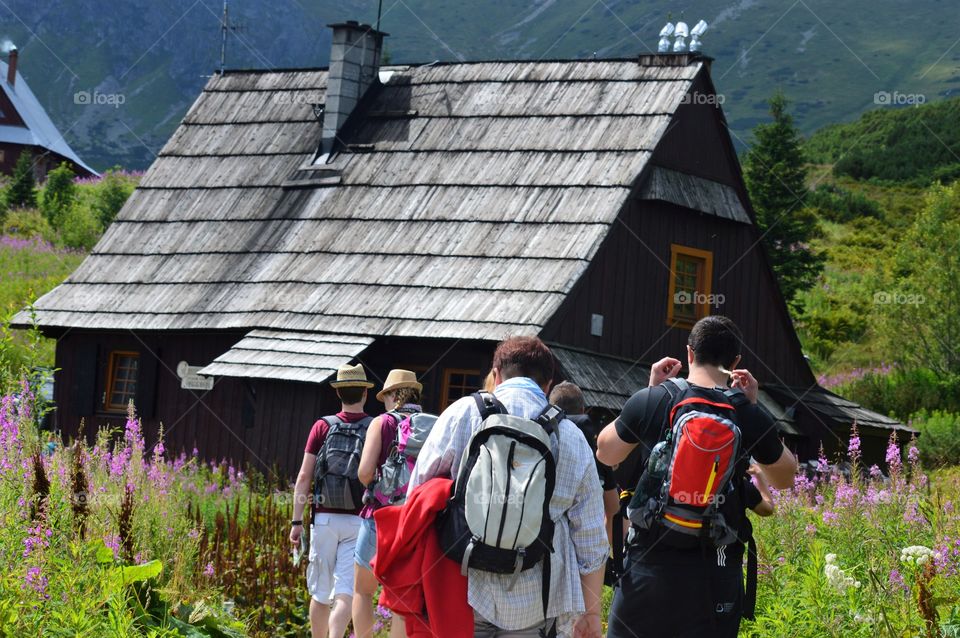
x=333, y=540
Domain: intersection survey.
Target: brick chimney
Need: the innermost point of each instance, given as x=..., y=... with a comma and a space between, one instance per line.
x=12, y=67
x=354, y=64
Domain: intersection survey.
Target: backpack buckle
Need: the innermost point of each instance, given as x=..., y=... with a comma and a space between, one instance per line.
x=517, y=567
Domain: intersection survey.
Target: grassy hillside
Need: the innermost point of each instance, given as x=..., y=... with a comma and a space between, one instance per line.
x=916, y=145
x=829, y=58
x=36, y=256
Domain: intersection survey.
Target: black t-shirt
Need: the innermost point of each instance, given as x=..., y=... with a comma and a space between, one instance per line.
x=585, y=424
x=644, y=419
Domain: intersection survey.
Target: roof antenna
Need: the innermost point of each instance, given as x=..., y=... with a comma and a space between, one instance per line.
x=225, y=28
x=379, y=13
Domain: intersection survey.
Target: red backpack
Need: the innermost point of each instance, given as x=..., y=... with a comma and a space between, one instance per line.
x=690, y=473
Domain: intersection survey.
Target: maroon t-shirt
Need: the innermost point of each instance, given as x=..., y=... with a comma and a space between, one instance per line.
x=318, y=434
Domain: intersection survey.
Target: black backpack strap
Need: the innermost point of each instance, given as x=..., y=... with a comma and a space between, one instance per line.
x=735, y=396
x=550, y=417
x=545, y=585
x=676, y=386
x=488, y=404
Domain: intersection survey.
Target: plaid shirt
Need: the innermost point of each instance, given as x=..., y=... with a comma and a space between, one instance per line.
x=580, y=538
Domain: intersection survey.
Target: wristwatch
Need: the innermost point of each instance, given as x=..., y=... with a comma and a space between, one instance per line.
x=295, y=523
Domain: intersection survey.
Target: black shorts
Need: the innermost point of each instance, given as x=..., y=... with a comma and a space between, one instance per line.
x=659, y=599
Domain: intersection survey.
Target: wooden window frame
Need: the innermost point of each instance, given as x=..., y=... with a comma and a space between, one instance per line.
x=704, y=284
x=445, y=385
x=111, y=371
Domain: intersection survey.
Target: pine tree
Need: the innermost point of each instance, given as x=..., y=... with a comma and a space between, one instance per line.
x=775, y=174
x=59, y=195
x=22, y=192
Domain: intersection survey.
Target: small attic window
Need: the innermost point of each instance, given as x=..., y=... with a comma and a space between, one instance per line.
x=691, y=273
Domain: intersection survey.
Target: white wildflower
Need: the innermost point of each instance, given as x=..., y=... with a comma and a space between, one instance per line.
x=916, y=555
x=836, y=577
x=865, y=618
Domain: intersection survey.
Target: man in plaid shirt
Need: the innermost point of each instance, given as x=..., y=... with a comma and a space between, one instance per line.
x=523, y=372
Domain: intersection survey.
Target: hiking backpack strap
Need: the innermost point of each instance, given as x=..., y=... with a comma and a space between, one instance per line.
x=488, y=404
x=333, y=422
x=675, y=387
x=549, y=419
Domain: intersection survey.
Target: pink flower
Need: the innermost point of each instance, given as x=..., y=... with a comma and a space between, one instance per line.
x=208, y=570
x=853, y=448
x=896, y=580
x=36, y=581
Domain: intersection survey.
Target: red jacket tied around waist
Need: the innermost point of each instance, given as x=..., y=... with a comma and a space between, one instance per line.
x=419, y=582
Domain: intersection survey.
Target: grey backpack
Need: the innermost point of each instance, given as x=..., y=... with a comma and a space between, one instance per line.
x=335, y=481
x=393, y=477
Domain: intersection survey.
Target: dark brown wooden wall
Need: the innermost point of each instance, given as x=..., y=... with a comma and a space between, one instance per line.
x=628, y=284
x=256, y=422
x=628, y=281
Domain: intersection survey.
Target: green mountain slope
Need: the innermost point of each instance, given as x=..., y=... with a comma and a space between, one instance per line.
x=830, y=58
x=918, y=144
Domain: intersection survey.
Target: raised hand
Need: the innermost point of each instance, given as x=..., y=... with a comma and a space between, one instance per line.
x=663, y=370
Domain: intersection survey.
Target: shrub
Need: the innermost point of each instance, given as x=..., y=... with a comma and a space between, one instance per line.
x=59, y=195
x=841, y=205
x=27, y=223
x=939, y=441
x=901, y=393
x=22, y=192
x=111, y=193
x=80, y=229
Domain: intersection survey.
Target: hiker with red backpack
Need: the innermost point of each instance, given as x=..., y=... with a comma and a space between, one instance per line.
x=331, y=460
x=525, y=523
x=385, y=466
x=694, y=439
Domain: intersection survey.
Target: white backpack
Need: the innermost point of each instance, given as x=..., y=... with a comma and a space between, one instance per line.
x=498, y=519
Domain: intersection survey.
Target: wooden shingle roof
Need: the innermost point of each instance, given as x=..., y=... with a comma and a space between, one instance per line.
x=467, y=201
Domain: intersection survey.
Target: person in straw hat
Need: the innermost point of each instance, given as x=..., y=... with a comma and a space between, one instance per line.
x=335, y=511
x=401, y=397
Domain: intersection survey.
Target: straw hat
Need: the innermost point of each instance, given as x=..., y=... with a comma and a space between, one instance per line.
x=351, y=377
x=399, y=379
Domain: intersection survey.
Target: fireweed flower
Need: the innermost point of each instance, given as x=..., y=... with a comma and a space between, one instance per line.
x=36, y=581
x=893, y=458
x=896, y=580
x=846, y=495
x=822, y=466
x=853, y=448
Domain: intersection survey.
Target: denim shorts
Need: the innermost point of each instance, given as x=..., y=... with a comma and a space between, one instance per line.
x=366, y=543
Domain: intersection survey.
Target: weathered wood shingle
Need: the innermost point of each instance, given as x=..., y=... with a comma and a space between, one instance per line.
x=466, y=202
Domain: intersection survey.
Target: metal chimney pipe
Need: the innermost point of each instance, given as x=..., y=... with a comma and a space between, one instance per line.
x=12, y=67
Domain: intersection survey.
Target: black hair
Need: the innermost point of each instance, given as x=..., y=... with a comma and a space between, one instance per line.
x=350, y=395
x=716, y=341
